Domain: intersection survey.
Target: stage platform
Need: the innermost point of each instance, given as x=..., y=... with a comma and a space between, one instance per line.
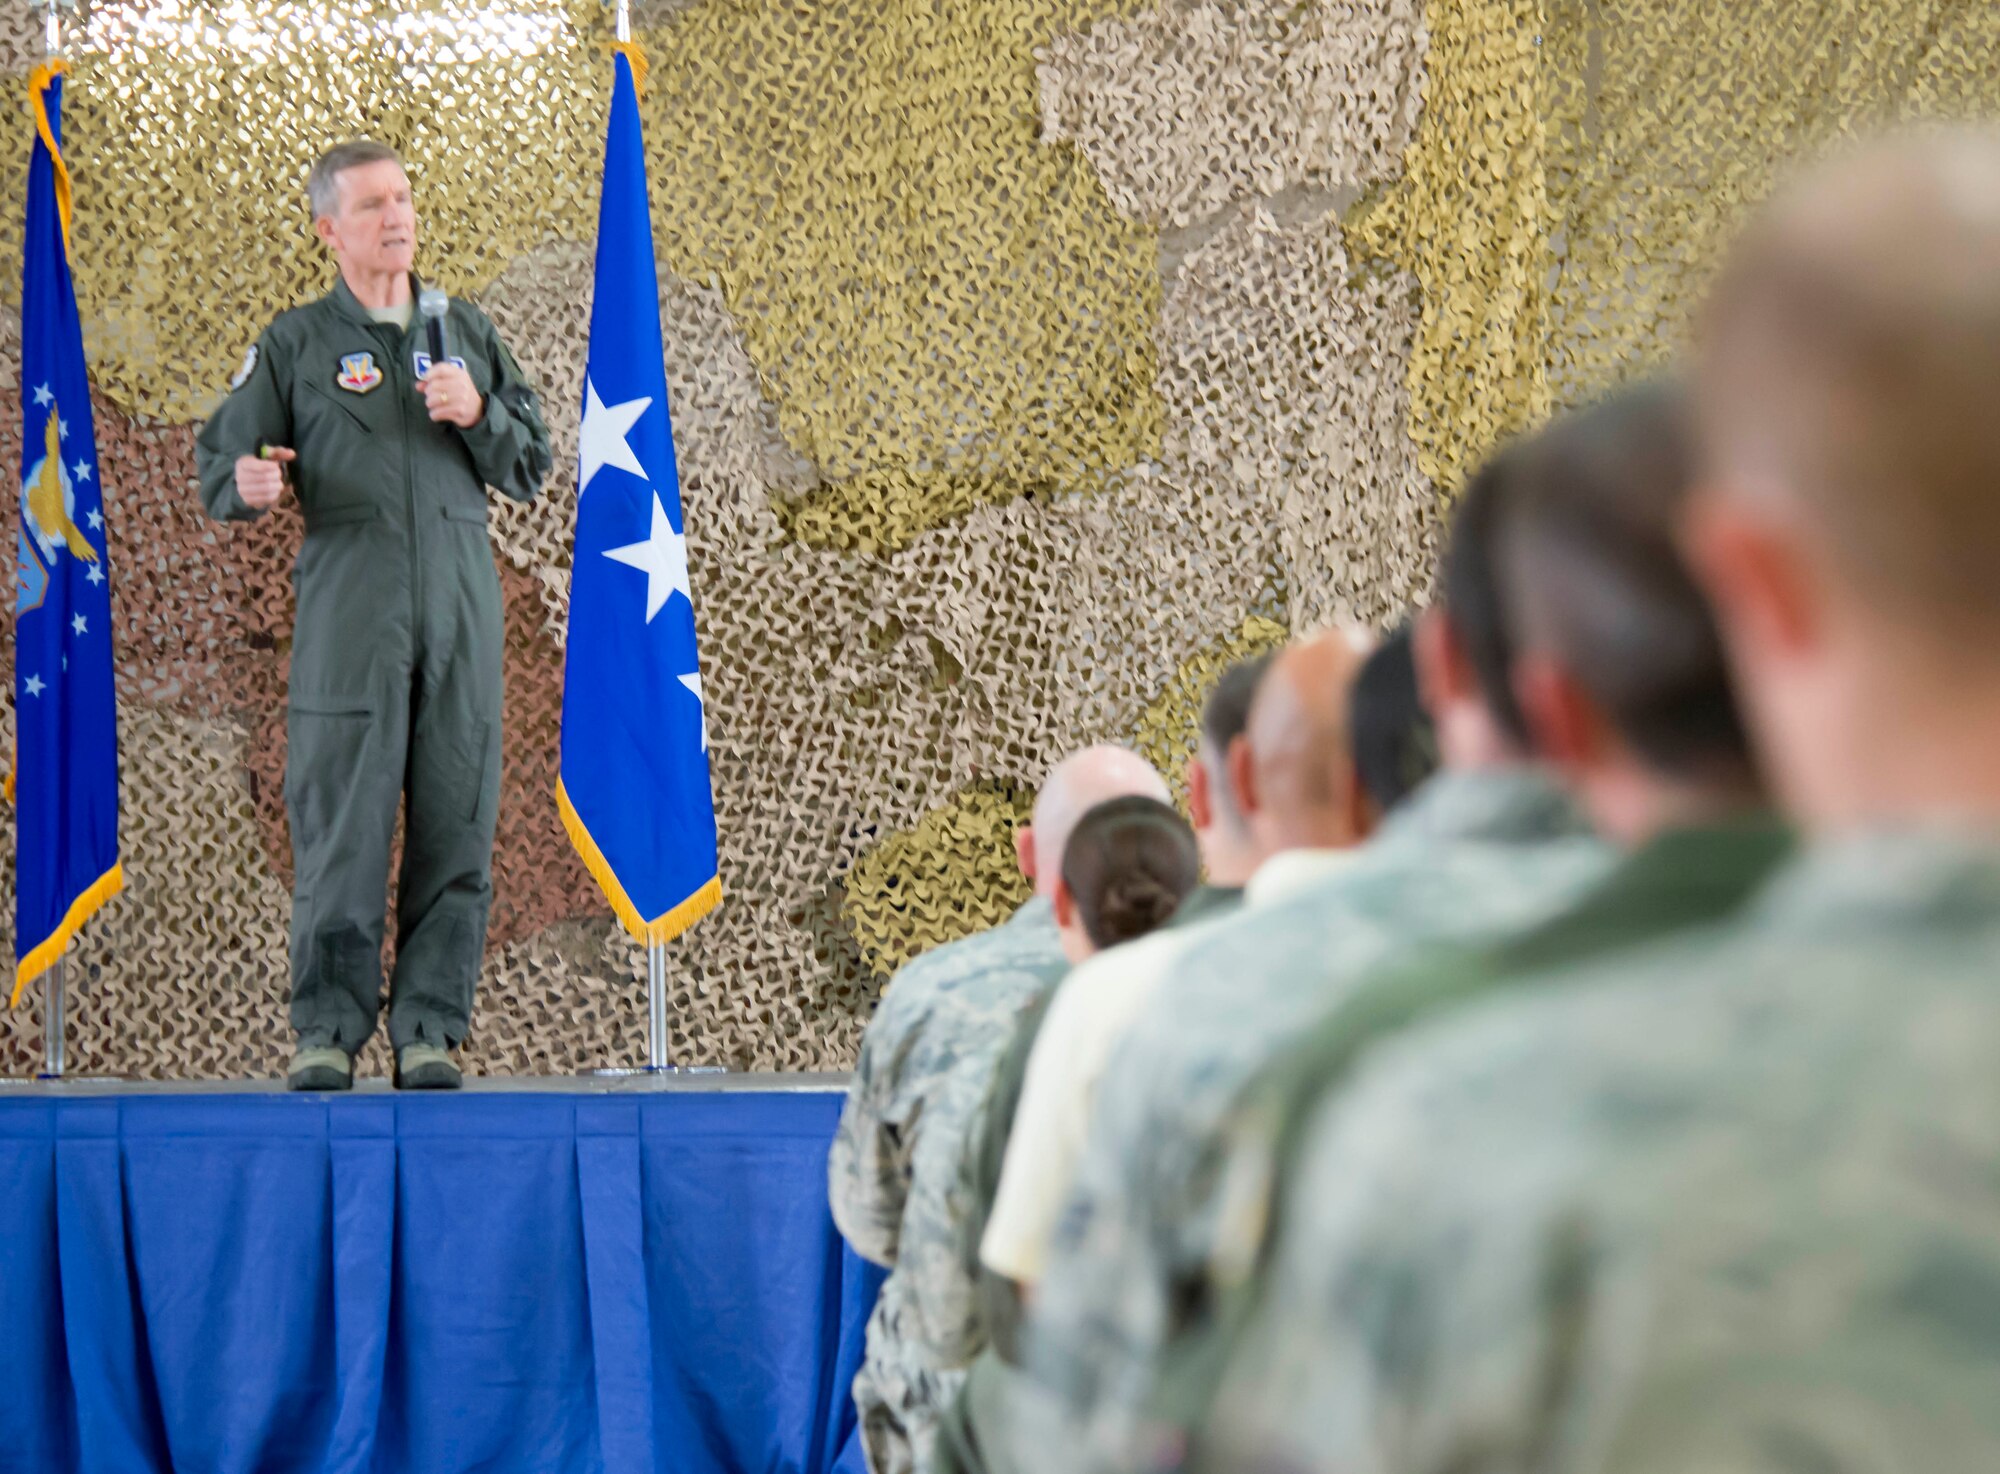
x=619, y=1275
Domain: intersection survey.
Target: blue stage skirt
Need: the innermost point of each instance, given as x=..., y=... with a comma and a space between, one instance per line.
x=543, y=1282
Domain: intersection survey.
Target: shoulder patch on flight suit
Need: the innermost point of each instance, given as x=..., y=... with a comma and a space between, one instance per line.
x=358, y=373
x=249, y=367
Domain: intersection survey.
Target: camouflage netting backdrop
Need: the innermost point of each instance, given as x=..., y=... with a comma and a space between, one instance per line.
x=1030, y=358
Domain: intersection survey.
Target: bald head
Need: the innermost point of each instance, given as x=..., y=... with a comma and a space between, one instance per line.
x=1295, y=776
x=1075, y=786
x=1850, y=372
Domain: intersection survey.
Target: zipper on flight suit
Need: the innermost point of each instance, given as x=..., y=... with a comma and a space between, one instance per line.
x=406, y=392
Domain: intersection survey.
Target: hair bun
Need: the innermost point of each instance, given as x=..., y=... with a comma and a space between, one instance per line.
x=1134, y=905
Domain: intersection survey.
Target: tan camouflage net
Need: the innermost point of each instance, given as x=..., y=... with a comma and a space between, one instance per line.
x=1653, y=160
x=1029, y=361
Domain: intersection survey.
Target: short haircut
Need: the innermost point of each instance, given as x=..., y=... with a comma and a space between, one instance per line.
x=1129, y=864
x=1850, y=359
x=1596, y=579
x=323, y=179
x=1395, y=745
x=1227, y=711
x=1470, y=594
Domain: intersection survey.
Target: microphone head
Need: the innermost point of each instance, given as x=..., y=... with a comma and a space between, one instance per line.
x=432, y=302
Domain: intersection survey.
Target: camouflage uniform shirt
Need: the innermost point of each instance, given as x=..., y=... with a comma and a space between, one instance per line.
x=925, y=1060
x=1728, y=1203
x=1472, y=853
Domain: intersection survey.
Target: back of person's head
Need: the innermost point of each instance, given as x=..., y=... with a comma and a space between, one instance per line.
x=1598, y=587
x=1395, y=746
x=1293, y=775
x=1848, y=527
x=1218, y=822
x=1463, y=647
x=1074, y=786
x=1851, y=366
x=1227, y=711
x=1128, y=865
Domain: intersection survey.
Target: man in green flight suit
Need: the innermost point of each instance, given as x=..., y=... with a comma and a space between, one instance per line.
x=395, y=674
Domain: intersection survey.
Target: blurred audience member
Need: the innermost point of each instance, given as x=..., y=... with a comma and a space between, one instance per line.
x=1130, y=866
x=1487, y=845
x=1395, y=746
x=947, y=1013
x=1732, y=1201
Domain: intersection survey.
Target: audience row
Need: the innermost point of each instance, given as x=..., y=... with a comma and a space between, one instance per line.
x=1580, y=1054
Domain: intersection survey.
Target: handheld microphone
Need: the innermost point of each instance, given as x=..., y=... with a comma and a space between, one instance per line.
x=432, y=303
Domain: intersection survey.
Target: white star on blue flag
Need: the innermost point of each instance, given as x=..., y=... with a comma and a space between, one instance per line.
x=635, y=790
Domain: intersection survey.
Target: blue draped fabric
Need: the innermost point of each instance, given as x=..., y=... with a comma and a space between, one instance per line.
x=252, y=1284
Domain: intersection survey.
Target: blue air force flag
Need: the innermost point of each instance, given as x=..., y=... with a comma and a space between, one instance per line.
x=65, y=778
x=634, y=786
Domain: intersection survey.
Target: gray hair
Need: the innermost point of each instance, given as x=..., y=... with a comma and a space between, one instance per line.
x=322, y=181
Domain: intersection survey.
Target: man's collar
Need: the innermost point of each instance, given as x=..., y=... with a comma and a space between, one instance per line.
x=1517, y=802
x=343, y=298
x=1033, y=912
x=1936, y=873
x=1291, y=871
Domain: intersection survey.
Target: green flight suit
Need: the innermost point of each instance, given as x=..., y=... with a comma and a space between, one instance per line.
x=395, y=673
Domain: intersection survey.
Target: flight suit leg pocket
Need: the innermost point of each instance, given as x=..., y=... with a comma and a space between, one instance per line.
x=478, y=755
x=326, y=778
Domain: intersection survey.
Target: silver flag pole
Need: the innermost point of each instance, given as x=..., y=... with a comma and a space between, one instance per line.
x=54, y=1001
x=656, y=1007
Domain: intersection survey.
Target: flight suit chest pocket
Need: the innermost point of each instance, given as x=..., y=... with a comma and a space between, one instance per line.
x=339, y=410
x=344, y=446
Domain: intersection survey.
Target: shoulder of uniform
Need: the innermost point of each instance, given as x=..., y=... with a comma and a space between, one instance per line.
x=474, y=313
x=293, y=325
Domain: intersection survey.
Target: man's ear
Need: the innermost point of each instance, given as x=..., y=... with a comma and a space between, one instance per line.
x=323, y=228
x=1565, y=727
x=1242, y=776
x=1753, y=566
x=1065, y=905
x=1444, y=675
x=1024, y=850
x=1201, y=802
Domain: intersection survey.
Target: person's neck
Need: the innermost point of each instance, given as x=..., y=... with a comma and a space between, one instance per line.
x=1911, y=764
x=1304, y=829
x=376, y=290
x=1905, y=730
x=1228, y=857
x=1470, y=738
x=1631, y=807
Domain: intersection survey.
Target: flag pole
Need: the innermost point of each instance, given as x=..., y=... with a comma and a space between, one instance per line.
x=53, y=1001
x=657, y=1018
x=656, y=1008
x=55, y=979
x=656, y=951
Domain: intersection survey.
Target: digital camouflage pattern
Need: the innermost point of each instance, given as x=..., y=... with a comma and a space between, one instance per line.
x=1678, y=882
x=1732, y=1204
x=926, y=1060
x=1472, y=853
x=971, y=1440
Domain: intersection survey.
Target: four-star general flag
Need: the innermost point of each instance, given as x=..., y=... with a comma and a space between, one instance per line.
x=65, y=778
x=634, y=786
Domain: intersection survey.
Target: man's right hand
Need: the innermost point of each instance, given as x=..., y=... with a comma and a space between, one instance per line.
x=260, y=479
